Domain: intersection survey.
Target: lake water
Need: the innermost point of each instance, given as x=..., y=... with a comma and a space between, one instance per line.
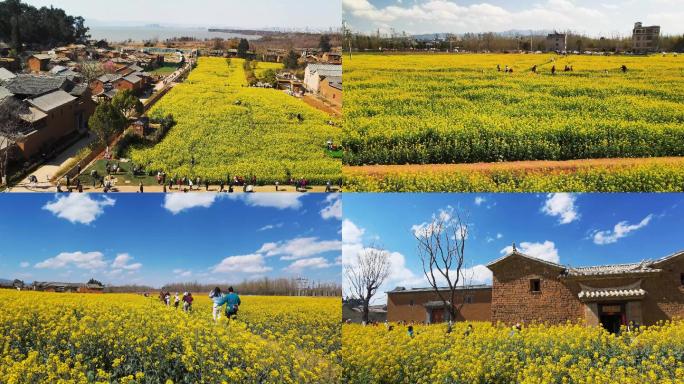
x=120, y=34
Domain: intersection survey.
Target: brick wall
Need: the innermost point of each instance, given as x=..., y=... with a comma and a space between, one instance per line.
x=512, y=300
x=408, y=306
x=333, y=95
x=665, y=297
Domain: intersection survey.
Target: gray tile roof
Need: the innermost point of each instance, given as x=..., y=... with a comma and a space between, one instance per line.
x=78, y=89
x=51, y=100
x=614, y=269
x=532, y=258
x=612, y=293
x=35, y=85
x=4, y=92
x=34, y=115
x=135, y=68
x=335, y=82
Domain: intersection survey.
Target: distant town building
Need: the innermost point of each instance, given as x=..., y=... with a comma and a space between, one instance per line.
x=352, y=310
x=645, y=39
x=51, y=286
x=556, y=42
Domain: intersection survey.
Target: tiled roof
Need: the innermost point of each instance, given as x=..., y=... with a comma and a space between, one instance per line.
x=35, y=85
x=335, y=81
x=133, y=79
x=42, y=56
x=4, y=92
x=614, y=269
x=51, y=100
x=532, y=258
x=34, y=115
x=78, y=89
x=610, y=293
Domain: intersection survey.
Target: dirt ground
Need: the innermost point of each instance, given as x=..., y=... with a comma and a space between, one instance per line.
x=320, y=105
x=542, y=165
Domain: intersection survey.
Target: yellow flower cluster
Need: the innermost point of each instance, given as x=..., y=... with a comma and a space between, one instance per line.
x=124, y=338
x=231, y=129
x=569, y=353
x=444, y=109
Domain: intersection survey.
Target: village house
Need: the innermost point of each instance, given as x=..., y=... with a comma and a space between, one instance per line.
x=330, y=89
x=423, y=305
x=645, y=39
x=11, y=284
x=352, y=310
x=556, y=42
x=314, y=72
x=38, y=62
x=526, y=289
x=58, y=108
x=332, y=58
x=51, y=286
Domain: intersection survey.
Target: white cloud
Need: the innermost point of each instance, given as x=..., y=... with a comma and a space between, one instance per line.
x=272, y=200
x=122, y=260
x=254, y=263
x=82, y=260
x=350, y=232
x=544, y=251
x=24, y=264
x=299, y=248
x=78, y=207
x=182, y=272
x=620, y=230
x=312, y=263
x=334, y=207
x=270, y=226
x=425, y=228
x=179, y=202
x=561, y=205
x=479, y=200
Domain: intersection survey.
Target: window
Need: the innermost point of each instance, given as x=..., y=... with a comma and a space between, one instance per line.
x=535, y=285
x=681, y=279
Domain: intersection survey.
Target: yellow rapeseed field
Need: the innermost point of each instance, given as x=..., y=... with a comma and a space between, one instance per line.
x=125, y=338
x=492, y=354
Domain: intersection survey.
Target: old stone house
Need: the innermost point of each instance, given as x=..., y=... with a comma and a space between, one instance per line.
x=38, y=62
x=331, y=89
x=527, y=289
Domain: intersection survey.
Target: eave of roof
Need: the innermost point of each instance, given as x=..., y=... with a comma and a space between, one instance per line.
x=515, y=253
x=430, y=289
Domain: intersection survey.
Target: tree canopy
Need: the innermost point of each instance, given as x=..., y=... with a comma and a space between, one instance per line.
x=106, y=121
x=242, y=48
x=21, y=23
x=324, y=43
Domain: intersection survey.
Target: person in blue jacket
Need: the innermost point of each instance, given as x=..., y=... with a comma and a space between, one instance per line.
x=232, y=302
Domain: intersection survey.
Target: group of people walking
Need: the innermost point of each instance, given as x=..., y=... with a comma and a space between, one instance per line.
x=186, y=299
x=230, y=299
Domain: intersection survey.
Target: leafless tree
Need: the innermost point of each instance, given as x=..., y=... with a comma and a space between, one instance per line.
x=441, y=247
x=370, y=269
x=90, y=70
x=11, y=126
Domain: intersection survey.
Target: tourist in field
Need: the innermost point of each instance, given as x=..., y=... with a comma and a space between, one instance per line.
x=623, y=68
x=468, y=331
x=232, y=302
x=206, y=185
x=506, y=69
x=187, y=301
x=410, y=331
x=176, y=300
x=141, y=187
x=167, y=299
x=534, y=68
x=498, y=68
x=553, y=70
x=215, y=295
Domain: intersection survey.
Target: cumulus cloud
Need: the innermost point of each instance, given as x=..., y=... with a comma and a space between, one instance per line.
x=253, y=263
x=544, y=251
x=619, y=231
x=182, y=272
x=179, y=202
x=24, y=264
x=311, y=263
x=82, y=260
x=334, y=207
x=272, y=200
x=78, y=207
x=123, y=262
x=299, y=248
x=562, y=206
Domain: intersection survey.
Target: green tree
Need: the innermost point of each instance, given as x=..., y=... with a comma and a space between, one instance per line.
x=242, y=48
x=127, y=103
x=291, y=61
x=106, y=121
x=269, y=76
x=324, y=43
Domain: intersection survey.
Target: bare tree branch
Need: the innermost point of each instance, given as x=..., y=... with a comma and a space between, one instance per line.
x=366, y=273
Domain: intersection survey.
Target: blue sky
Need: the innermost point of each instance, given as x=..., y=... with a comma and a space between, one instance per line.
x=596, y=18
x=570, y=229
x=315, y=14
x=155, y=239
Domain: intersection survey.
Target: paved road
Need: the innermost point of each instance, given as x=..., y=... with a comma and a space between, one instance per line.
x=47, y=170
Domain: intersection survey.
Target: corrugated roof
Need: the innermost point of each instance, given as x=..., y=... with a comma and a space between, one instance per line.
x=51, y=100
